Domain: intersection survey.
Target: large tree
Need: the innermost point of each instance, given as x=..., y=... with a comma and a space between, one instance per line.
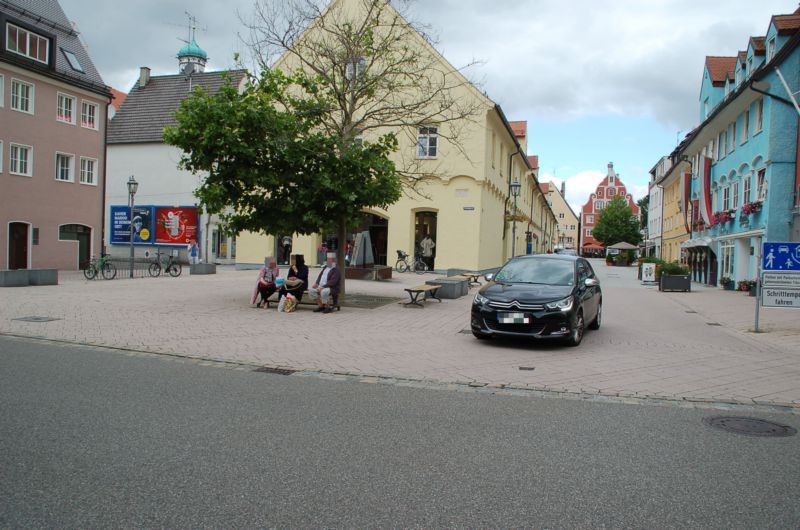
x=617, y=224
x=378, y=72
x=271, y=165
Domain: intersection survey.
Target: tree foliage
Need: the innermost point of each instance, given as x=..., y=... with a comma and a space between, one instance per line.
x=617, y=224
x=644, y=205
x=271, y=166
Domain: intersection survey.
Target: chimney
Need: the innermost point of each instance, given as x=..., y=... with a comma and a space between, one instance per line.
x=563, y=189
x=144, y=76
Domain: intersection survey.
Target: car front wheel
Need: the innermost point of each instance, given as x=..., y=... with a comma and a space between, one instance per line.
x=576, y=336
x=598, y=319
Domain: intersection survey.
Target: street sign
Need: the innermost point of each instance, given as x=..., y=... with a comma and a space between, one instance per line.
x=790, y=280
x=780, y=297
x=781, y=257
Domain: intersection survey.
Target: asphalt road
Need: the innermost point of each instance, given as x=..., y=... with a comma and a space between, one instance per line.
x=92, y=438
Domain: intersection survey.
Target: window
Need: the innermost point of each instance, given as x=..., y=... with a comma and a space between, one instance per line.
x=771, y=49
x=611, y=180
x=712, y=153
x=600, y=192
x=2, y=93
x=494, y=148
x=759, y=115
x=750, y=66
x=598, y=205
x=28, y=44
x=65, y=109
x=89, y=115
x=561, y=216
x=358, y=65
x=762, y=185
x=64, y=167
x=589, y=219
x=746, y=189
x=726, y=253
x=705, y=108
x=572, y=227
x=735, y=194
x=88, y=169
x=731, y=137
x=588, y=232
x=22, y=95
x=2, y=153
x=612, y=192
x=427, y=140
x=726, y=198
x=21, y=160
x=745, y=126
x=73, y=61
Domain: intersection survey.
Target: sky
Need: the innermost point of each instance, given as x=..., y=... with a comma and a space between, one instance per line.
x=597, y=81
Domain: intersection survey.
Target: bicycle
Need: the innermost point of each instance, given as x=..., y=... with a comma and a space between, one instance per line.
x=402, y=264
x=103, y=266
x=172, y=267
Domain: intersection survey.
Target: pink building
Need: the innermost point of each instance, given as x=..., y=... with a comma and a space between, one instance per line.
x=53, y=107
x=609, y=187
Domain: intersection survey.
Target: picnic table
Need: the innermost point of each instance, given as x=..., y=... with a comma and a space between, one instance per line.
x=422, y=290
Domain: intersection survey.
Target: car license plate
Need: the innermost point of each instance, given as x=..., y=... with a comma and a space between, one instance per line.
x=513, y=318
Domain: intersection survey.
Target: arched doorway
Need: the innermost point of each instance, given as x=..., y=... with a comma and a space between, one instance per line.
x=378, y=228
x=83, y=235
x=425, y=225
x=18, y=249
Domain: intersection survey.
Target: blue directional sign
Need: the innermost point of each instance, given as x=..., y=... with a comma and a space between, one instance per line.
x=781, y=257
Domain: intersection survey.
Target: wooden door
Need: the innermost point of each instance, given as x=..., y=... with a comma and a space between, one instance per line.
x=18, y=246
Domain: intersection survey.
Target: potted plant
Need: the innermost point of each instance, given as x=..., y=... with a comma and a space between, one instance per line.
x=727, y=283
x=748, y=286
x=609, y=260
x=674, y=277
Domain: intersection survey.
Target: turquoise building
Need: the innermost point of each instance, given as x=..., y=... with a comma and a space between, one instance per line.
x=744, y=178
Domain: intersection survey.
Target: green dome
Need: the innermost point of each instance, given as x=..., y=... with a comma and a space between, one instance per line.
x=192, y=50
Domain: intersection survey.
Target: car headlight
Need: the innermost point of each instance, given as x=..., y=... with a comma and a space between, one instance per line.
x=480, y=299
x=561, y=305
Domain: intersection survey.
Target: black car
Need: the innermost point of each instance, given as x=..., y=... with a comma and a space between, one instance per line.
x=543, y=296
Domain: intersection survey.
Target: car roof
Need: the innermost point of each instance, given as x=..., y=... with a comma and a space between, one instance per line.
x=562, y=257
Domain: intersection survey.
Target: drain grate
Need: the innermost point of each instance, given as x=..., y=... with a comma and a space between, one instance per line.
x=527, y=368
x=749, y=426
x=691, y=312
x=36, y=319
x=277, y=371
x=713, y=324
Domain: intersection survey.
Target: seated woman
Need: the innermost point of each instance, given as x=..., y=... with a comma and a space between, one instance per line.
x=265, y=284
x=296, y=279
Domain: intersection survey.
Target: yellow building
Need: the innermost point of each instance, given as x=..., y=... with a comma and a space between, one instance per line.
x=465, y=205
x=674, y=230
x=567, y=232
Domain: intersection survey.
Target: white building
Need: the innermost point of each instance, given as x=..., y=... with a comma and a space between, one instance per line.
x=136, y=148
x=655, y=208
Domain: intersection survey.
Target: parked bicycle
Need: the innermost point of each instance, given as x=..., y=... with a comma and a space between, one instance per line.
x=172, y=267
x=102, y=266
x=403, y=265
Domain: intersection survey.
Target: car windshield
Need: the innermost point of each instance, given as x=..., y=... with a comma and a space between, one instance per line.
x=542, y=271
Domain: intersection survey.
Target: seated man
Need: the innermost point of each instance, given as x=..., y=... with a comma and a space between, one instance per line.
x=296, y=279
x=326, y=286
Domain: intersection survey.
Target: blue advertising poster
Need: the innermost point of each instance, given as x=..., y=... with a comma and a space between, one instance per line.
x=781, y=257
x=142, y=225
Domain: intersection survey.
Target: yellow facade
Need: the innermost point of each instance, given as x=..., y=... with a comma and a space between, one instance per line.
x=469, y=195
x=673, y=230
x=567, y=232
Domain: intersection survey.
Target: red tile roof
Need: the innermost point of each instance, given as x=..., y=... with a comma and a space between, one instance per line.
x=787, y=24
x=520, y=128
x=720, y=69
x=545, y=187
x=758, y=45
x=117, y=97
x=533, y=160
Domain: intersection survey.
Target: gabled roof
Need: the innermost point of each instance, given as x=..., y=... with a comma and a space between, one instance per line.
x=520, y=128
x=787, y=24
x=758, y=45
x=742, y=57
x=48, y=17
x=117, y=97
x=720, y=69
x=147, y=110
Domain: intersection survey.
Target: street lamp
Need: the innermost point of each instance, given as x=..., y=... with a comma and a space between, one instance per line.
x=132, y=187
x=515, y=187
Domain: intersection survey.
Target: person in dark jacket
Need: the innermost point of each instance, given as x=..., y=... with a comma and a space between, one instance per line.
x=326, y=288
x=296, y=279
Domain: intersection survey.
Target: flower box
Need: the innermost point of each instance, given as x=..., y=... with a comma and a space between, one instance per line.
x=678, y=282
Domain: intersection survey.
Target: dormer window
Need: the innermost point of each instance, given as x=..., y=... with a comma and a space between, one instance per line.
x=73, y=61
x=28, y=44
x=771, y=49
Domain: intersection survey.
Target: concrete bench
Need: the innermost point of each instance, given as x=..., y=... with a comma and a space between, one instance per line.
x=452, y=287
x=43, y=276
x=202, y=268
x=305, y=300
x=427, y=291
x=14, y=278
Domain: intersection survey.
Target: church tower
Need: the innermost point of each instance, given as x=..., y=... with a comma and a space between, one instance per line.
x=192, y=58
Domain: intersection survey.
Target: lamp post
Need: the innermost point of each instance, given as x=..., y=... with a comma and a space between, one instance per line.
x=515, y=187
x=132, y=187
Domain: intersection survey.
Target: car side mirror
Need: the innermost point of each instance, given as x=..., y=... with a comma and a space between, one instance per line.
x=489, y=277
x=591, y=282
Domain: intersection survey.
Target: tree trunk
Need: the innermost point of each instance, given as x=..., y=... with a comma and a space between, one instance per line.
x=340, y=253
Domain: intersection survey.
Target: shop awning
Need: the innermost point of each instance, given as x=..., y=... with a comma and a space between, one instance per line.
x=697, y=242
x=592, y=246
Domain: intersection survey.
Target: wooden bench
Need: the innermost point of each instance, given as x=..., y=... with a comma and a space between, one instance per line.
x=424, y=290
x=473, y=277
x=306, y=300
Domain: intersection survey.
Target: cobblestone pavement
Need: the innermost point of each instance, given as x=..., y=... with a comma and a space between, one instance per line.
x=675, y=346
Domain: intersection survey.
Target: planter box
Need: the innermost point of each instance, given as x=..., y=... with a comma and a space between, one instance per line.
x=43, y=276
x=203, y=268
x=14, y=278
x=680, y=283
x=450, y=287
x=729, y=287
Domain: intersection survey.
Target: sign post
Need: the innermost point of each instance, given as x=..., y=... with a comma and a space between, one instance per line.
x=779, y=283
